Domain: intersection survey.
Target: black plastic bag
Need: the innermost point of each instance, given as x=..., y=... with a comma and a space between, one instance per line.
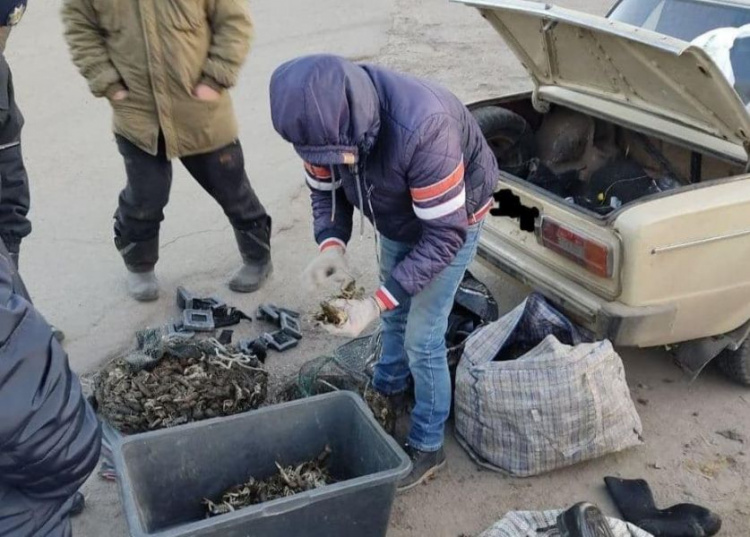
x=473, y=307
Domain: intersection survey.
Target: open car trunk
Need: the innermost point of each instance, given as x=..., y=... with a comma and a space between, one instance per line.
x=595, y=166
x=568, y=178
x=618, y=113
x=623, y=167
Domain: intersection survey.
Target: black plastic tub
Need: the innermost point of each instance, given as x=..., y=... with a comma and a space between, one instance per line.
x=164, y=475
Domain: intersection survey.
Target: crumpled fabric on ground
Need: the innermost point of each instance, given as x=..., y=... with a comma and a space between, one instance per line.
x=529, y=524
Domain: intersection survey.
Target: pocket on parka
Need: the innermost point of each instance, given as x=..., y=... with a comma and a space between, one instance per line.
x=185, y=14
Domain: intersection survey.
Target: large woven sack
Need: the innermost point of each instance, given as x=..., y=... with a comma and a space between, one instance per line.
x=554, y=405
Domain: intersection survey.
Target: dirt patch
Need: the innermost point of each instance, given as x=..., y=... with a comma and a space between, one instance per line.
x=711, y=467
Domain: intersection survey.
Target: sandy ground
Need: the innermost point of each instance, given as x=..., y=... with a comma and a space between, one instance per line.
x=76, y=276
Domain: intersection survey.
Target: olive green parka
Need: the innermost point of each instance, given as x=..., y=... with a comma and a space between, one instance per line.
x=159, y=50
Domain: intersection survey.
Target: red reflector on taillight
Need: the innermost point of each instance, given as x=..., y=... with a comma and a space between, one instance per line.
x=593, y=255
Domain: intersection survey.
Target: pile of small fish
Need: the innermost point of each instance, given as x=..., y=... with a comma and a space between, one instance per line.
x=329, y=314
x=289, y=480
x=216, y=381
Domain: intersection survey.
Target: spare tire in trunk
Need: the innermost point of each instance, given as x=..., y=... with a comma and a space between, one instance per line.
x=509, y=136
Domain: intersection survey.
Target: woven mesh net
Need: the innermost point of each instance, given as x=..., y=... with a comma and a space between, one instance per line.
x=348, y=367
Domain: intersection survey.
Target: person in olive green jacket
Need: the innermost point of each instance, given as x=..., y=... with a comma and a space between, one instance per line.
x=166, y=67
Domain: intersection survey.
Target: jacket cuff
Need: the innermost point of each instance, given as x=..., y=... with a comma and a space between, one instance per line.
x=211, y=83
x=390, y=295
x=329, y=238
x=333, y=242
x=114, y=88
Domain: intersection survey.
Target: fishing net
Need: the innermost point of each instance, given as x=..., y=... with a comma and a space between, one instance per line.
x=153, y=343
x=348, y=367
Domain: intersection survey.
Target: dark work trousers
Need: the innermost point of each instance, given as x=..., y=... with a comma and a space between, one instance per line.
x=14, y=198
x=221, y=173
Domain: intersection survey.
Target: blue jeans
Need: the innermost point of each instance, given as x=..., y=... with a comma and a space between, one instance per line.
x=414, y=342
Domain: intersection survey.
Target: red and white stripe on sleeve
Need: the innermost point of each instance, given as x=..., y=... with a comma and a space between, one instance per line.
x=319, y=178
x=442, y=198
x=385, y=299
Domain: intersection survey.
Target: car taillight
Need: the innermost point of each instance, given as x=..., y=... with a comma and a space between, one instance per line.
x=593, y=255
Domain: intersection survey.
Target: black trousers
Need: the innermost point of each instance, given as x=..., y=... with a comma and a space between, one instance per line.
x=14, y=198
x=140, y=211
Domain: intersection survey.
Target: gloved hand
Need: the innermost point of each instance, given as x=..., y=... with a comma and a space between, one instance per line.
x=360, y=313
x=329, y=265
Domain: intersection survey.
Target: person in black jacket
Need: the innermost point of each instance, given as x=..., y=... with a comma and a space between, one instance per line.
x=14, y=182
x=49, y=435
x=50, y=438
x=14, y=196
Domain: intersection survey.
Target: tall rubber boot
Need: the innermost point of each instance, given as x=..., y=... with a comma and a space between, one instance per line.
x=255, y=248
x=140, y=259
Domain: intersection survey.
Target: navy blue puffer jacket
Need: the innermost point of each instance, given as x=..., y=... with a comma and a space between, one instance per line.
x=49, y=436
x=407, y=153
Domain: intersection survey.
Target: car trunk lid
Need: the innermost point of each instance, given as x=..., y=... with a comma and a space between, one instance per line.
x=575, y=57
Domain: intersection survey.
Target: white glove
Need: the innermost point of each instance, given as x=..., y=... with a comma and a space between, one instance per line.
x=329, y=265
x=360, y=313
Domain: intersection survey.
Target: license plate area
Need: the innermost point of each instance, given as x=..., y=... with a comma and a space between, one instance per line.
x=510, y=206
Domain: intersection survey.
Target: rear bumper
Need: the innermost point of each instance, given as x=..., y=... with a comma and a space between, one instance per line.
x=623, y=325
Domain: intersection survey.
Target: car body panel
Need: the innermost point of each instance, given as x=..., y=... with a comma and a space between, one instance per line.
x=691, y=250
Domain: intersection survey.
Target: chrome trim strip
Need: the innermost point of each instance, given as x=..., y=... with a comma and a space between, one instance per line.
x=682, y=245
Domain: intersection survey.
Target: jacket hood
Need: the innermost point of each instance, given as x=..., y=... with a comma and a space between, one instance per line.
x=327, y=107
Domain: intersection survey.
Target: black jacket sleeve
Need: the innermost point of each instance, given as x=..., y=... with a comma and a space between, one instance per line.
x=11, y=119
x=49, y=435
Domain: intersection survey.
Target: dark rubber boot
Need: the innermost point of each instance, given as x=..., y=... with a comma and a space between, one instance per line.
x=635, y=501
x=255, y=248
x=143, y=286
x=140, y=259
